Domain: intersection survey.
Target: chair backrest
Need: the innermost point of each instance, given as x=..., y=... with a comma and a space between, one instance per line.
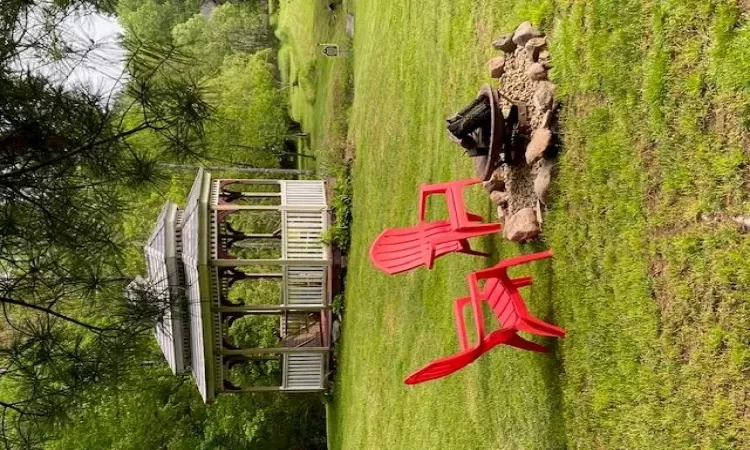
x=397, y=250
x=499, y=297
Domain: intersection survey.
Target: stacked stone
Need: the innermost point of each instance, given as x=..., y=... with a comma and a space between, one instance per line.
x=522, y=70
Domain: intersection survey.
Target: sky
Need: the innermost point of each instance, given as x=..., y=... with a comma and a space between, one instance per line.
x=104, y=67
x=84, y=32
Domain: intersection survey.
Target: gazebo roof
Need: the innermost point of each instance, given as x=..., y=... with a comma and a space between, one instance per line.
x=165, y=280
x=194, y=231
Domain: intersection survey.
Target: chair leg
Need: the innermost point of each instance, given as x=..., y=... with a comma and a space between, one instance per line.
x=425, y=191
x=475, y=217
x=476, y=230
x=522, y=282
x=519, y=342
x=523, y=259
x=539, y=327
x=459, y=215
x=442, y=367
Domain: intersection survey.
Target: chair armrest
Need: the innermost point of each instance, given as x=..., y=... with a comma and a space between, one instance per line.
x=425, y=190
x=458, y=315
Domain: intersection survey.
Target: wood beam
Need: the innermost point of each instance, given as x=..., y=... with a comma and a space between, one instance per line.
x=268, y=262
x=270, y=309
x=249, y=389
x=258, y=351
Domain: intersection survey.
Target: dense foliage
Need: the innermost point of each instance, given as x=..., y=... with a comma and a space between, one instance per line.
x=82, y=178
x=160, y=411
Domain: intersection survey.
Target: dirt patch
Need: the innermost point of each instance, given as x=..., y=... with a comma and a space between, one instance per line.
x=653, y=180
x=658, y=291
x=349, y=153
x=704, y=221
x=517, y=88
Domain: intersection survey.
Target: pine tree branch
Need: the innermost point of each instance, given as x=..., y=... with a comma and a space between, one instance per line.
x=21, y=303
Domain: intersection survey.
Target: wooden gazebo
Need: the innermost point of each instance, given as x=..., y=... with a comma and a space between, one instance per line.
x=234, y=234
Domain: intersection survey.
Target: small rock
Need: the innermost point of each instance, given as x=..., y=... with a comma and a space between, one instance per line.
x=499, y=198
x=522, y=226
x=536, y=72
x=498, y=175
x=497, y=66
x=539, y=142
x=543, y=180
x=536, y=42
x=500, y=212
x=544, y=96
x=496, y=181
x=743, y=222
x=524, y=32
x=505, y=43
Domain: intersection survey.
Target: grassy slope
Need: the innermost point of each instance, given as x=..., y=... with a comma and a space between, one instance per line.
x=320, y=100
x=649, y=276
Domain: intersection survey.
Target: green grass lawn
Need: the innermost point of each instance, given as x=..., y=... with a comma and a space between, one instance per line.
x=319, y=87
x=650, y=275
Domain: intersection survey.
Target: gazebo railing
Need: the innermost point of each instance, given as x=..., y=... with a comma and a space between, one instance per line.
x=303, y=269
x=305, y=286
x=304, y=219
x=303, y=371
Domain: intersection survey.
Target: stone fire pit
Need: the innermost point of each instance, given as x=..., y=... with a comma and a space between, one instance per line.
x=519, y=172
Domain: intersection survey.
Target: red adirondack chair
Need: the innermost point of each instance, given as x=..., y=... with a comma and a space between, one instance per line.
x=397, y=250
x=445, y=366
x=459, y=216
x=501, y=293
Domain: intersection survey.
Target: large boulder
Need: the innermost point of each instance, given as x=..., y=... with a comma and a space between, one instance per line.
x=500, y=198
x=524, y=32
x=536, y=72
x=544, y=96
x=505, y=43
x=496, y=181
x=540, y=140
x=522, y=226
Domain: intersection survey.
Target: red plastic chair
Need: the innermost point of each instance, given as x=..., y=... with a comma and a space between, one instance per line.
x=501, y=293
x=460, y=217
x=445, y=366
x=397, y=250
